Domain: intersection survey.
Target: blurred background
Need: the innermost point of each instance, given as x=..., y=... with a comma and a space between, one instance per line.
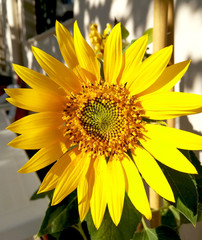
x=26, y=23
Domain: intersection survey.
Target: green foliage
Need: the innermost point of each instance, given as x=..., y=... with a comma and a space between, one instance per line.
x=124, y=32
x=159, y=233
x=185, y=192
x=36, y=196
x=170, y=217
x=149, y=32
x=61, y=216
x=125, y=229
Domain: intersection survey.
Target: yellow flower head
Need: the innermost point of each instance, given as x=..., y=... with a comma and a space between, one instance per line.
x=98, y=40
x=98, y=132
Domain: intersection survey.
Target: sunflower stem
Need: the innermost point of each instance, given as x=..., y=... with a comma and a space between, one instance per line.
x=144, y=223
x=79, y=228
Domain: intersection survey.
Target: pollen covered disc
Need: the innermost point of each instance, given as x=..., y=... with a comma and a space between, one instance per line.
x=103, y=119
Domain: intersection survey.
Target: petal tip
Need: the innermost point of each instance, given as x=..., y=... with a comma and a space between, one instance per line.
x=145, y=37
x=35, y=50
x=148, y=215
x=22, y=170
x=76, y=24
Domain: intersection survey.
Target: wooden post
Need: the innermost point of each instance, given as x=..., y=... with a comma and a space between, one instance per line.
x=159, y=42
x=170, y=41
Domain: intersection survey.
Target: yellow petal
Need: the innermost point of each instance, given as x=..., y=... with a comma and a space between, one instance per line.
x=36, y=121
x=54, y=174
x=36, y=101
x=135, y=188
x=71, y=177
x=44, y=157
x=168, y=105
x=116, y=189
x=86, y=56
x=68, y=50
x=149, y=71
x=98, y=199
x=66, y=44
x=168, y=78
x=153, y=174
x=57, y=71
x=113, y=55
x=133, y=58
x=178, y=138
x=167, y=153
x=36, y=139
x=84, y=191
x=37, y=81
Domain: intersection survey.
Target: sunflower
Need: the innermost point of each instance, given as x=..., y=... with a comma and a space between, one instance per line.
x=99, y=132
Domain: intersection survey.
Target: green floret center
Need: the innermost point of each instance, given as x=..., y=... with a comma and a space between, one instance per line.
x=101, y=118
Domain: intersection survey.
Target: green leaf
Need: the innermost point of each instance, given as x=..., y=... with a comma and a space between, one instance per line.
x=124, y=32
x=194, y=160
x=108, y=231
x=166, y=233
x=168, y=218
x=147, y=234
x=61, y=216
x=159, y=233
x=199, y=213
x=36, y=196
x=185, y=192
x=149, y=32
x=198, y=177
x=176, y=214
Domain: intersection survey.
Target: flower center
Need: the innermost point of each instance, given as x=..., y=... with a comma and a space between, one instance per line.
x=101, y=118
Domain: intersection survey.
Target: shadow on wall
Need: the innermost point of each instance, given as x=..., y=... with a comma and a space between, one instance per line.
x=188, y=82
x=103, y=11
x=194, y=4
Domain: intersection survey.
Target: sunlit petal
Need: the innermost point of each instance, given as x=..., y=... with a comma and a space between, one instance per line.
x=167, y=153
x=37, y=80
x=71, y=177
x=152, y=174
x=135, y=188
x=66, y=47
x=86, y=56
x=84, y=191
x=35, y=101
x=168, y=78
x=98, y=199
x=36, y=121
x=57, y=71
x=168, y=105
x=113, y=55
x=178, y=138
x=36, y=139
x=54, y=174
x=150, y=70
x=44, y=157
x=132, y=59
x=116, y=189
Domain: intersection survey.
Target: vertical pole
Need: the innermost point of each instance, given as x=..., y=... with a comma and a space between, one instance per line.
x=170, y=41
x=159, y=42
